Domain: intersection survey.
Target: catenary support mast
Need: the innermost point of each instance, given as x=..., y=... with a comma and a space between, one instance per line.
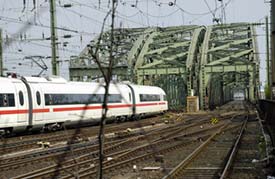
x=55, y=64
x=268, y=74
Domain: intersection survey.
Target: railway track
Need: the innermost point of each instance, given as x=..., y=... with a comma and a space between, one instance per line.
x=19, y=143
x=157, y=146
x=30, y=142
x=225, y=154
x=86, y=159
x=54, y=154
x=163, y=147
x=137, y=154
x=207, y=160
x=246, y=162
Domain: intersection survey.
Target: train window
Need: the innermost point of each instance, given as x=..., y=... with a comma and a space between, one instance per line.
x=48, y=99
x=63, y=99
x=149, y=97
x=114, y=98
x=21, y=98
x=164, y=98
x=38, y=98
x=95, y=98
x=7, y=100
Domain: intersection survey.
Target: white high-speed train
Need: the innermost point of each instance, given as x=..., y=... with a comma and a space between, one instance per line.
x=49, y=103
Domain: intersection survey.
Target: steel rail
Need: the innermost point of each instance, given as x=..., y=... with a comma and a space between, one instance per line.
x=53, y=168
x=124, y=157
x=234, y=151
x=17, y=143
x=108, y=149
x=173, y=174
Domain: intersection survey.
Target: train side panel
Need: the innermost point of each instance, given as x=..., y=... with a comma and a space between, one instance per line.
x=22, y=103
x=39, y=108
x=69, y=102
x=123, y=105
x=149, y=99
x=13, y=104
x=61, y=100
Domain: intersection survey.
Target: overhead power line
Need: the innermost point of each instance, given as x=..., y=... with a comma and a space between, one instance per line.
x=14, y=20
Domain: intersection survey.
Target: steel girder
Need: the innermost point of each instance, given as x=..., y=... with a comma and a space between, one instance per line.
x=127, y=45
x=229, y=53
x=147, y=56
x=170, y=59
x=174, y=49
x=213, y=61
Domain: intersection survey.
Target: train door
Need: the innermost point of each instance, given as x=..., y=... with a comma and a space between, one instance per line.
x=21, y=98
x=38, y=106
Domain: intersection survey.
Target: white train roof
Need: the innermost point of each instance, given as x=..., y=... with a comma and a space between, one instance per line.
x=7, y=84
x=147, y=89
x=51, y=79
x=9, y=80
x=80, y=85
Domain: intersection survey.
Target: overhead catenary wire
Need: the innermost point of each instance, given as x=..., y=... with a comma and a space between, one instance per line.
x=104, y=11
x=3, y=18
x=212, y=12
x=137, y=16
x=204, y=13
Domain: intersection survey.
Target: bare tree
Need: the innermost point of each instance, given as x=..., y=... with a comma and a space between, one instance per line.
x=107, y=75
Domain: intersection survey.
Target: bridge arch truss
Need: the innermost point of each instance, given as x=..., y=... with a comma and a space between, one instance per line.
x=229, y=62
x=210, y=62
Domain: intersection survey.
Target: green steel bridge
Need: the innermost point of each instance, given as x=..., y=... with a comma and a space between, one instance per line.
x=213, y=62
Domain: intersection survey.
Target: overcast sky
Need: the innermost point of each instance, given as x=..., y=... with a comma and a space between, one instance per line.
x=84, y=20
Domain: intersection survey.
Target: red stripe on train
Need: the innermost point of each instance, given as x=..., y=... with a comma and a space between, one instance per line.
x=15, y=111
x=120, y=106
x=24, y=111
x=147, y=104
x=76, y=108
x=90, y=107
x=100, y=107
x=40, y=110
x=162, y=103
